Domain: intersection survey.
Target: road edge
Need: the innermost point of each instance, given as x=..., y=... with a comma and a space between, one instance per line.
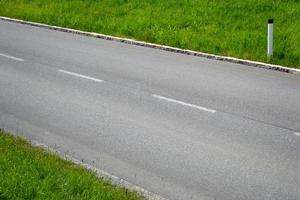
x=157, y=46
x=114, y=180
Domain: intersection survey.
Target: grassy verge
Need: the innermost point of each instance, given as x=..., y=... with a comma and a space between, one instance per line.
x=233, y=27
x=28, y=172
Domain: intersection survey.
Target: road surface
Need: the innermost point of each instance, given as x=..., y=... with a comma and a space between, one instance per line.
x=180, y=126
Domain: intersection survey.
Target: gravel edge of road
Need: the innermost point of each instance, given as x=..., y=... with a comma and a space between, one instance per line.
x=157, y=46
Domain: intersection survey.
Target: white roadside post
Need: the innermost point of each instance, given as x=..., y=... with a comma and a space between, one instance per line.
x=270, y=38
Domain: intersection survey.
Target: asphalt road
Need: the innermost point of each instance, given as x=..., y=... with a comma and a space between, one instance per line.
x=181, y=126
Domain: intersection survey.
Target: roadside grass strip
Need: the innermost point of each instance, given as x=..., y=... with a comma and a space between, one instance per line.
x=226, y=28
x=28, y=172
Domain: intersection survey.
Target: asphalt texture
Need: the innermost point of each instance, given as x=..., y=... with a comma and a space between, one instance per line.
x=181, y=126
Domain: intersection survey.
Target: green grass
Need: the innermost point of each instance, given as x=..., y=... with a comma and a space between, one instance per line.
x=28, y=172
x=233, y=27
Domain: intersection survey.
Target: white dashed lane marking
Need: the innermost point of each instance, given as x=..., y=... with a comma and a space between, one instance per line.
x=184, y=103
x=297, y=133
x=80, y=75
x=12, y=57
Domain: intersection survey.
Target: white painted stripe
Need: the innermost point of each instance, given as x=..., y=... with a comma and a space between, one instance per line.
x=12, y=57
x=80, y=75
x=183, y=103
x=297, y=133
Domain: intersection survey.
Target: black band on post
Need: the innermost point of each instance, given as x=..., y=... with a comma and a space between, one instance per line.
x=270, y=21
